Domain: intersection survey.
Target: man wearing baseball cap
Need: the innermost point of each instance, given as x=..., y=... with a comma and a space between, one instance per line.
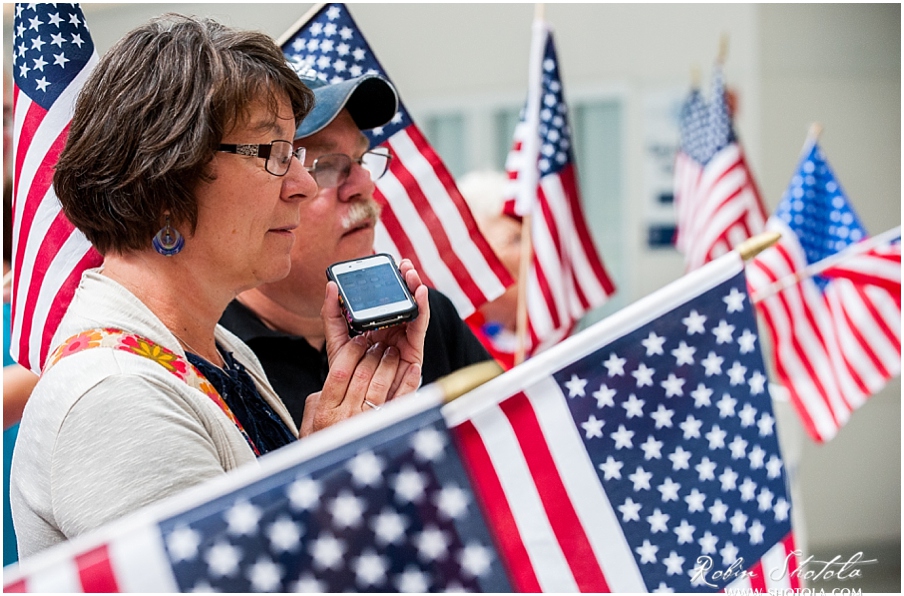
x=281, y=321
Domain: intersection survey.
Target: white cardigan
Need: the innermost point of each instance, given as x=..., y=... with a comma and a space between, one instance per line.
x=106, y=432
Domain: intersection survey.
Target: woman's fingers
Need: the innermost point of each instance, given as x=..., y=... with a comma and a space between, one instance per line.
x=411, y=380
x=311, y=413
x=343, y=368
x=363, y=376
x=417, y=329
x=378, y=391
x=335, y=329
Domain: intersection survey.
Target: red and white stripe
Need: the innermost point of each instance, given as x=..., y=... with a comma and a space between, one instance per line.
x=832, y=349
x=718, y=206
x=688, y=172
x=556, y=528
x=879, y=266
x=775, y=572
x=425, y=219
x=135, y=561
x=49, y=255
x=566, y=277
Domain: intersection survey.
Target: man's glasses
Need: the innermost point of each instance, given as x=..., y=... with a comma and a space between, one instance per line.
x=332, y=170
x=277, y=153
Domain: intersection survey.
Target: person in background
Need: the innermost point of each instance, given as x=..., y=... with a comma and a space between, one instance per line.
x=495, y=322
x=280, y=320
x=192, y=192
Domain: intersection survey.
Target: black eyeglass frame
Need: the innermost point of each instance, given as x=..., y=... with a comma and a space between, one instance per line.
x=344, y=172
x=264, y=150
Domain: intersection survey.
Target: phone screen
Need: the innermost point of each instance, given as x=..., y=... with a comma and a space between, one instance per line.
x=371, y=287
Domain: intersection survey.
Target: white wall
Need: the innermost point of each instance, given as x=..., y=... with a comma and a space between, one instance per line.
x=790, y=64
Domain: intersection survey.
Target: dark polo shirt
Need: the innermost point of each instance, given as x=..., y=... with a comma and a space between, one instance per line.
x=296, y=369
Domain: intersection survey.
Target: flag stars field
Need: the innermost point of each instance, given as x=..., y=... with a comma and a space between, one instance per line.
x=242, y=518
x=604, y=396
x=183, y=544
x=370, y=569
x=694, y=322
x=702, y=395
x=366, y=469
x=695, y=501
x=685, y=532
x=615, y=365
x=623, y=438
x=644, y=375
x=737, y=373
x=723, y=332
x=304, y=493
x=747, y=415
x=735, y=300
x=593, y=428
x=747, y=490
x=285, y=535
x=712, y=364
x=674, y=563
x=265, y=575
x=576, y=386
x=691, y=427
x=630, y=510
x=756, y=457
x=684, y=354
x=633, y=406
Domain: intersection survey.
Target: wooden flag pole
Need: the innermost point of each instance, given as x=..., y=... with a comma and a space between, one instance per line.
x=299, y=23
x=526, y=244
x=723, y=49
x=695, y=77
x=813, y=133
x=818, y=267
x=523, y=272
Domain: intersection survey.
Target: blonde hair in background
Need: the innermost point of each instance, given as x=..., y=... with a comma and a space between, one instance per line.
x=484, y=191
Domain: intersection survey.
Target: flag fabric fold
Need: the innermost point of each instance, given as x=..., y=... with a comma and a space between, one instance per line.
x=566, y=276
x=379, y=503
x=627, y=456
x=836, y=335
x=53, y=54
x=425, y=218
x=717, y=203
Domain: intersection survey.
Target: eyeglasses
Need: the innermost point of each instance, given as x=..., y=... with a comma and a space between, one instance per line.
x=332, y=170
x=277, y=153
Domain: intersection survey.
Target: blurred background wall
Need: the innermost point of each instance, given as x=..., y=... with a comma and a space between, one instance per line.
x=462, y=71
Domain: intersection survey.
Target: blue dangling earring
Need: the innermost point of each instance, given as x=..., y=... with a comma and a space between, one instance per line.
x=168, y=240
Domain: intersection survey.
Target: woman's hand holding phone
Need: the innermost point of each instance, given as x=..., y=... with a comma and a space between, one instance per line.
x=376, y=366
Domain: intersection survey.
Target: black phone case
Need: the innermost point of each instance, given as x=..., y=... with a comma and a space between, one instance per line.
x=359, y=326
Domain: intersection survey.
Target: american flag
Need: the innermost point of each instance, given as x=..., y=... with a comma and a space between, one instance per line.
x=616, y=459
x=381, y=504
x=52, y=57
x=425, y=218
x=566, y=276
x=837, y=334
x=717, y=203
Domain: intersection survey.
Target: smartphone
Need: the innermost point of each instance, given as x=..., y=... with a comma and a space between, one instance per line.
x=372, y=293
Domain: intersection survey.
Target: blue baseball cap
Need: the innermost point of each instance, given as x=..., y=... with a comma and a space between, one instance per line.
x=370, y=99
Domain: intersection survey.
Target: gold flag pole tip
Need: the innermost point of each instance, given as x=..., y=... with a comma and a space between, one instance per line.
x=466, y=379
x=754, y=246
